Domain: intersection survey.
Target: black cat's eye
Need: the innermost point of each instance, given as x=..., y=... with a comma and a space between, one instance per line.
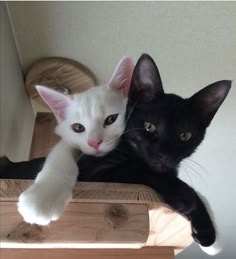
x=185, y=136
x=149, y=127
x=110, y=119
x=78, y=128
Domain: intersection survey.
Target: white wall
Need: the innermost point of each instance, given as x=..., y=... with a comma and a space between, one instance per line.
x=193, y=43
x=16, y=116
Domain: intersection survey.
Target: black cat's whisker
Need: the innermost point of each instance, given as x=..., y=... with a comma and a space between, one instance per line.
x=131, y=130
x=204, y=170
x=126, y=132
x=131, y=110
x=194, y=173
x=185, y=170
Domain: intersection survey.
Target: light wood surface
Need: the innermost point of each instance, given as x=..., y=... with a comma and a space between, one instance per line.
x=101, y=215
x=44, y=137
x=144, y=253
x=92, y=225
x=57, y=73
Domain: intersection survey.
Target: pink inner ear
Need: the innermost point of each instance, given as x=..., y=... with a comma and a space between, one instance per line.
x=121, y=78
x=57, y=102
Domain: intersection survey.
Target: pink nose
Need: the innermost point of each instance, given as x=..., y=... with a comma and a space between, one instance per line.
x=95, y=143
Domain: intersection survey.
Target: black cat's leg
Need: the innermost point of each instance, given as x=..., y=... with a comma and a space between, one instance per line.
x=186, y=201
x=203, y=229
x=20, y=170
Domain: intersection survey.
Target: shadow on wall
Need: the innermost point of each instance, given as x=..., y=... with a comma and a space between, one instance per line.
x=16, y=116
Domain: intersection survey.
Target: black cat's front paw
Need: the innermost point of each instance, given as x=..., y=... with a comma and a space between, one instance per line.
x=207, y=240
x=204, y=237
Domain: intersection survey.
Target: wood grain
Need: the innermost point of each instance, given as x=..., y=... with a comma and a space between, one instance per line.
x=90, y=192
x=44, y=137
x=82, y=225
x=54, y=72
x=100, y=215
x=144, y=253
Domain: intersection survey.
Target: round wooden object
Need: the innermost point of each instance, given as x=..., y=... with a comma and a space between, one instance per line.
x=62, y=74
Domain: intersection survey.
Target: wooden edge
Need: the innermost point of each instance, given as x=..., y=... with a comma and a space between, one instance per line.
x=84, y=225
x=144, y=253
x=89, y=192
x=80, y=66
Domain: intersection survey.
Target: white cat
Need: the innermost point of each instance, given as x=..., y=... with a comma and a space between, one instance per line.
x=92, y=122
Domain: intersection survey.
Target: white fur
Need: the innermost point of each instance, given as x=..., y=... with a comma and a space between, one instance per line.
x=91, y=108
x=46, y=199
x=214, y=249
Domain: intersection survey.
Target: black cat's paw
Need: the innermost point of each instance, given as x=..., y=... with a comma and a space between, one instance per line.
x=207, y=241
x=204, y=237
x=213, y=249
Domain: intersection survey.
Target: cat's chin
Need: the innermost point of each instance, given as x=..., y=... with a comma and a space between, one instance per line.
x=96, y=153
x=100, y=154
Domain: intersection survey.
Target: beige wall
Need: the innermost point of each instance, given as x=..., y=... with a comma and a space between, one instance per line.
x=193, y=43
x=16, y=117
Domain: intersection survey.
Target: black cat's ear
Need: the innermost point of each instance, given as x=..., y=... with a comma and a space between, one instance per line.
x=146, y=80
x=207, y=101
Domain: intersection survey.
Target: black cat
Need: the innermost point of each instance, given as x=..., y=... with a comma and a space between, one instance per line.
x=162, y=129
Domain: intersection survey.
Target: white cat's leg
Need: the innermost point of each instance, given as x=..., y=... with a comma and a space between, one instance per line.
x=51, y=191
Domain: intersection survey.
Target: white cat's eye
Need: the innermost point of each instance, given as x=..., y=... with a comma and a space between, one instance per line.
x=110, y=119
x=78, y=128
x=149, y=127
x=185, y=136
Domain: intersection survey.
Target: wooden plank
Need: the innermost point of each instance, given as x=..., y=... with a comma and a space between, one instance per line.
x=89, y=192
x=144, y=253
x=43, y=137
x=83, y=225
x=166, y=227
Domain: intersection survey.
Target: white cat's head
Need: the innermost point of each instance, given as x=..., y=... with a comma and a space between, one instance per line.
x=94, y=119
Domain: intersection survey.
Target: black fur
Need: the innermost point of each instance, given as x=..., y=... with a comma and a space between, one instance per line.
x=153, y=158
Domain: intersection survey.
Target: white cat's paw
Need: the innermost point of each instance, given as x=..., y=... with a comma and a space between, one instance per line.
x=214, y=249
x=41, y=204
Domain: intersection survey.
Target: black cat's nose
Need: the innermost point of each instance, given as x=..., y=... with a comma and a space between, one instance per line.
x=162, y=157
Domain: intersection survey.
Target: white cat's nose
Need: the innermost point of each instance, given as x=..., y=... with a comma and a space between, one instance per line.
x=94, y=143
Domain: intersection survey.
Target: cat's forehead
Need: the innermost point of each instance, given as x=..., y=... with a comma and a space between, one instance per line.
x=168, y=109
x=175, y=111
x=97, y=102
x=167, y=103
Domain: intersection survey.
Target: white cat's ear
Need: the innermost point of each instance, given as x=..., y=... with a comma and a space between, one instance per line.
x=56, y=101
x=121, y=78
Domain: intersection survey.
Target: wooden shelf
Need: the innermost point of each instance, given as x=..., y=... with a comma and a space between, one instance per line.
x=147, y=253
x=101, y=215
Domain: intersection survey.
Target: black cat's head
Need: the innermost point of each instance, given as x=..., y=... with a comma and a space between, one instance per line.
x=163, y=129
